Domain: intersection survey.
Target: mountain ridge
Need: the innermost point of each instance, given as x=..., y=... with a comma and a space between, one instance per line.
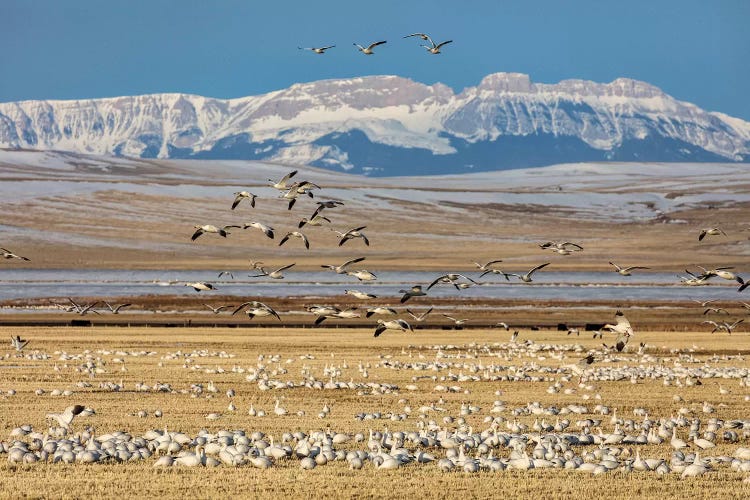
x=386, y=125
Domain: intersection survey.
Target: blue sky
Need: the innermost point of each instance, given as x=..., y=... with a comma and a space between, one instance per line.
x=695, y=50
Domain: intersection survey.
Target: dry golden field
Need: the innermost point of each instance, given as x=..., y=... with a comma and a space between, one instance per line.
x=216, y=354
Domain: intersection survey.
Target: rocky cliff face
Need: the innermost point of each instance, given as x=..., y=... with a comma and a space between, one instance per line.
x=391, y=125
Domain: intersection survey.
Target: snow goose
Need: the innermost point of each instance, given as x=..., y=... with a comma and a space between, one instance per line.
x=322, y=205
x=419, y=317
x=209, y=228
x=217, y=310
x=351, y=234
x=622, y=328
x=278, y=274
x=296, y=234
x=315, y=220
x=394, y=324
x=282, y=184
x=200, y=286
x=458, y=323
x=415, y=291
x=723, y=273
x=342, y=268
x=360, y=295
x=487, y=266
x=711, y=231
x=256, y=309
x=625, y=271
x=380, y=310
x=65, y=418
x=317, y=50
x=435, y=48
x=423, y=36
x=450, y=278
x=18, y=343
x=581, y=367
x=116, y=308
x=362, y=275
x=526, y=278
x=81, y=309
x=368, y=50
x=10, y=255
x=267, y=230
x=241, y=195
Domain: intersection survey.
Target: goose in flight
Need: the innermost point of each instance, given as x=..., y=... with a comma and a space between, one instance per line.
x=209, y=228
x=724, y=325
x=342, y=268
x=267, y=230
x=415, y=291
x=256, y=309
x=450, y=278
x=281, y=185
x=295, y=234
x=625, y=271
x=495, y=271
x=704, y=303
x=435, y=49
x=65, y=418
x=322, y=205
x=278, y=274
x=622, y=328
x=561, y=245
x=241, y=195
x=526, y=278
x=228, y=273
x=389, y=311
x=711, y=231
x=394, y=324
x=724, y=273
x=419, y=317
x=362, y=275
x=360, y=295
x=368, y=50
x=315, y=220
x=81, y=309
x=317, y=50
x=487, y=266
x=456, y=321
x=18, y=343
x=217, y=310
x=423, y=36
x=7, y=254
x=581, y=367
x=200, y=286
x=116, y=309
x=717, y=310
x=334, y=312
x=694, y=280
x=351, y=234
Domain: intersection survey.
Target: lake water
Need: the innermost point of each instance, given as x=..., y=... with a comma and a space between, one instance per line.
x=547, y=285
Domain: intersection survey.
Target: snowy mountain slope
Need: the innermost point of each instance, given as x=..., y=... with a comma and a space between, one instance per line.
x=386, y=125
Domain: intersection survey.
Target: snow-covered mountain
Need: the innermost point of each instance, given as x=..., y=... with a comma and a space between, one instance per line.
x=388, y=125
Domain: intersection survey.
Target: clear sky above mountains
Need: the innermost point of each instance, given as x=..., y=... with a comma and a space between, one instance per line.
x=694, y=50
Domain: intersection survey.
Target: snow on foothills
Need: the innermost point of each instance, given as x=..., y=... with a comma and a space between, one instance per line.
x=603, y=191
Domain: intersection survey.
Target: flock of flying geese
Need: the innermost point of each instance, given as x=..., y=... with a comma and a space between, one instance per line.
x=432, y=48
